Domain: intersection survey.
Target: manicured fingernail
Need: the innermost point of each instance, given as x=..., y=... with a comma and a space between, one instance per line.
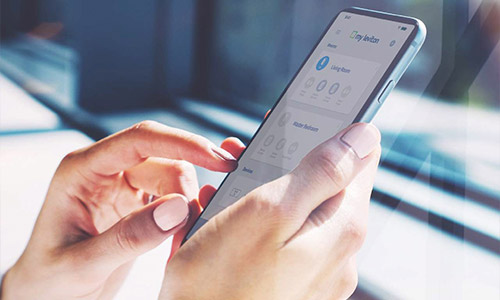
x=362, y=138
x=223, y=154
x=237, y=140
x=171, y=213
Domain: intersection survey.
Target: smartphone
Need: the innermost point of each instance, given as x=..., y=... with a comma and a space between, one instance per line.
x=346, y=78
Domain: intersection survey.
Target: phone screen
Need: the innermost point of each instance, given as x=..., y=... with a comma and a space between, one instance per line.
x=325, y=96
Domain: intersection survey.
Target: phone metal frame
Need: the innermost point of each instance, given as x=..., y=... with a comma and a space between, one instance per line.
x=393, y=73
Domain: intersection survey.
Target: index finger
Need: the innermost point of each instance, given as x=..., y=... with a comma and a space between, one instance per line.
x=133, y=145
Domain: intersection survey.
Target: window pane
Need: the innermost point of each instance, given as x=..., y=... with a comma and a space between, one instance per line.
x=257, y=46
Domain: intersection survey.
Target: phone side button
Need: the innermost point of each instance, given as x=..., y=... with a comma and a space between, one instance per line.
x=387, y=90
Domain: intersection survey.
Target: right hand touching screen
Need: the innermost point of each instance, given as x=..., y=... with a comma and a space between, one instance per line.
x=293, y=238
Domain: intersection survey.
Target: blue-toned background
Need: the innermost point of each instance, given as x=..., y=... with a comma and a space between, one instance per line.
x=74, y=71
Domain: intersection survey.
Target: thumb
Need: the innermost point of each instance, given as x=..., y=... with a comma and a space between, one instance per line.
x=135, y=234
x=321, y=175
x=332, y=165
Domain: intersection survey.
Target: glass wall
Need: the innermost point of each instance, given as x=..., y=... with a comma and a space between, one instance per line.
x=257, y=46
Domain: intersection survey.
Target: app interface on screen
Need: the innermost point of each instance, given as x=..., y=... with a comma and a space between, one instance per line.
x=325, y=97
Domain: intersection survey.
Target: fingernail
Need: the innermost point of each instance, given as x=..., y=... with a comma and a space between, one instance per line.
x=223, y=154
x=362, y=138
x=237, y=140
x=171, y=213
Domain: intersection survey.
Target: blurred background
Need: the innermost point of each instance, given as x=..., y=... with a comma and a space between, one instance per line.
x=72, y=72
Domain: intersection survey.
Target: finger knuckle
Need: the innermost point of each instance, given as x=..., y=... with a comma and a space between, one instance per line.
x=145, y=125
x=73, y=156
x=140, y=132
x=69, y=157
x=142, y=127
x=183, y=177
x=354, y=232
x=182, y=168
x=260, y=203
x=67, y=164
x=127, y=239
x=325, y=163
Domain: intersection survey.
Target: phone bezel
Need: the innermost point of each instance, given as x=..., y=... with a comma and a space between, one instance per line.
x=417, y=35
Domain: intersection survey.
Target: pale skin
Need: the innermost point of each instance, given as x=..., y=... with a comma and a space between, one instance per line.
x=293, y=238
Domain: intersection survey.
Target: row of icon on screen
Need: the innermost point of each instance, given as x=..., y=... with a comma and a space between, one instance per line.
x=280, y=144
x=324, y=83
x=282, y=121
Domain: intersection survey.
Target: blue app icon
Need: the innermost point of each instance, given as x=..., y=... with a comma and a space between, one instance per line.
x=322, y=63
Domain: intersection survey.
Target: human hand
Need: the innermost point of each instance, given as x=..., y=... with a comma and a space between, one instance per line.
x=96, y=218
x=293, y=238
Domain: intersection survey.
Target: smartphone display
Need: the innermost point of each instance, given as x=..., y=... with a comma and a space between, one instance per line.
x=345, y=79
